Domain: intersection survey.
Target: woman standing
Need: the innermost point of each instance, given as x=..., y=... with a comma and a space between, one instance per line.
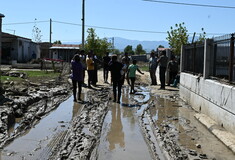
x=77, y=76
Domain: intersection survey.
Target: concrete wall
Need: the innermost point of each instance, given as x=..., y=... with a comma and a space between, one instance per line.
x=210, y=97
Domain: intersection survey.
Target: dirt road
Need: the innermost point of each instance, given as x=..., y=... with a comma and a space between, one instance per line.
x=150, y=124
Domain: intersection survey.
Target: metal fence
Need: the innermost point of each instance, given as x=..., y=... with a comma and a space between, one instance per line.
x=223, y=50
x=194, y=58
x=221, y=58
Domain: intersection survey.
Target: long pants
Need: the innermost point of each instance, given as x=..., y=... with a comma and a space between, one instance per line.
x=153, y=76
x=117, y=83
x=95, y=77
x=106, y=73
x=75, y=83
x=162, y=76
x=172, y=76
x=90, y=76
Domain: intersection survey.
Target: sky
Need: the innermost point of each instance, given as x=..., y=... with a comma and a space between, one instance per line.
x=149, y=21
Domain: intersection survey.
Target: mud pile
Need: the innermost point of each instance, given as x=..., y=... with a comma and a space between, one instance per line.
x=29, y=101
x=82, y=139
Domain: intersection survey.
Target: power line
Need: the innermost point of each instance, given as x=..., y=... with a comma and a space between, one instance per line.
x=191, y=4
x=68, y=23
x=108, y=28
x=25, y=23
x=129, y=30
x=120, y=29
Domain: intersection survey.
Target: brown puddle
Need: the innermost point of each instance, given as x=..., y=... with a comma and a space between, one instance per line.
x=121, y=137
x=38, y=142
x=191, y=131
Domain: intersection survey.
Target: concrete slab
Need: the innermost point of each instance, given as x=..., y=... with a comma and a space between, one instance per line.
x=204, y=119
x=226, y=137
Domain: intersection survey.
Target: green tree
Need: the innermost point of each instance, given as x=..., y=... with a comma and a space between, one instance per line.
x=57, y=42
x=128, y=49
x=177, y=37
x=160, y=46
x=139, y=50
x=116, y=51
x=99, y=46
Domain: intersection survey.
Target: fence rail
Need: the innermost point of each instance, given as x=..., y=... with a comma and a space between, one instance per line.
x=221, y=58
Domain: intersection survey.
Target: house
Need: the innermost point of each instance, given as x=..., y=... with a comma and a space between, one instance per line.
x=168, y=51
x=19, y=49
x=45, y=49
x=63, y=52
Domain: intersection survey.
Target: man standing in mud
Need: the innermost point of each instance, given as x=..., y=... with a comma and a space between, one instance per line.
x=77, y=76
x=126, y=60
x=106, y=60
x=115, y=67
x=162, y=61
x=90, y=68
x=152, y=68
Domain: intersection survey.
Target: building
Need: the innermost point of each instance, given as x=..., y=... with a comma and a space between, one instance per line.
x=45, y=49
x=19, y=49
x=63, y=52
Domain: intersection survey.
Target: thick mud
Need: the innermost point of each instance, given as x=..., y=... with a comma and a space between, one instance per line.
x=150, y=124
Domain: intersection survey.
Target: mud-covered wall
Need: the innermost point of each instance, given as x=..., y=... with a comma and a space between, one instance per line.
x=210, y=97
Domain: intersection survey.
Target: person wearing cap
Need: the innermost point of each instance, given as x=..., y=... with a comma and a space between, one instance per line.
x=115, y=67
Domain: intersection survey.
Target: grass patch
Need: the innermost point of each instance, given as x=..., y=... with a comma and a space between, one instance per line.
x=50, y=74
x=34, y=75
x=8, y=78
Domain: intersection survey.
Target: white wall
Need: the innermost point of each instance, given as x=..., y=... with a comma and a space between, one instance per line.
x=210, y=97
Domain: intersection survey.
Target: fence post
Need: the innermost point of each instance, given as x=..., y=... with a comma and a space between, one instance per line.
x=207, y=70
x=193, y=58
x=231, y=58
x=182, y=63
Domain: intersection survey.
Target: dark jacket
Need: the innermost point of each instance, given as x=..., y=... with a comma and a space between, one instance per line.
x=115, y=68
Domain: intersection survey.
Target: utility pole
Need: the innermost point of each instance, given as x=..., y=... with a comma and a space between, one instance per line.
x=83, y=24
x=1, y=16
x=50, y=30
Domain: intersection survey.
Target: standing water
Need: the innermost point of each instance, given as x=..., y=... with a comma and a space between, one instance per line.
x=121, y=136
x=38, y=142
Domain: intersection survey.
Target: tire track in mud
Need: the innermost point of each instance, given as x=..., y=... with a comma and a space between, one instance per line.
x=162, y=144
x=82, y=138
x=58, y=138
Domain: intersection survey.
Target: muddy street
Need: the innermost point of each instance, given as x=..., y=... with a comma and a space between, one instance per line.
x=150, y=124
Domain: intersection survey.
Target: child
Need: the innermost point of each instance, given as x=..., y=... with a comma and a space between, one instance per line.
x=131, y=74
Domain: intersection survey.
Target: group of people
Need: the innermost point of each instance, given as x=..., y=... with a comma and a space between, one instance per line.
x=164, y=65
x=120, y=71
